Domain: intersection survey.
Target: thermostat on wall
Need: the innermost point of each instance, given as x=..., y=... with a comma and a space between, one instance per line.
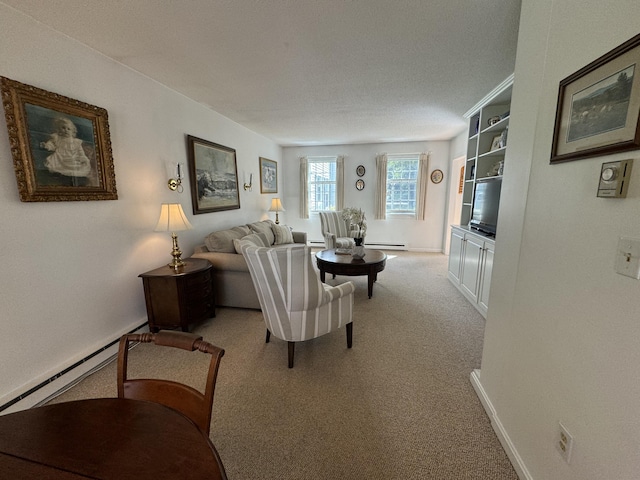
x=614, y=179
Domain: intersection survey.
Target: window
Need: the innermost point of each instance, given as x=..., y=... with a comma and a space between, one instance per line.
x=322, y=183
x=402, y=183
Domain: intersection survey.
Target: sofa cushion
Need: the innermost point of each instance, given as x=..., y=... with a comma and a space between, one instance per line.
x=222, y=240
x=264, y=227
x=282, y=234
x=257, y=239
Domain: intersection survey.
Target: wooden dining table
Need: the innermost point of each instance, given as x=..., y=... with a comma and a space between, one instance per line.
x=106, y=438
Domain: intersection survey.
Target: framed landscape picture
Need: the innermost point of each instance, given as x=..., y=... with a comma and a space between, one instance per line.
x=214, y=176
x=598, y=109
x=268, y=176
x=61, y=147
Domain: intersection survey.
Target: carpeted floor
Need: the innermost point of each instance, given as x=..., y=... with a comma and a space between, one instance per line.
x=398, y=405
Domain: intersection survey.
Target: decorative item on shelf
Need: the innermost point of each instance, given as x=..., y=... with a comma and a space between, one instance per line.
x=437, y=176
x=360, y=185
x=358, y=227
x=360, y=170
x=276, y=206
x=495, y=170
x=493, y=120
x=495, y=143
x=172, y=219
x=175, y=184
x=248, y=186
x=501, y=167
x=503, y=138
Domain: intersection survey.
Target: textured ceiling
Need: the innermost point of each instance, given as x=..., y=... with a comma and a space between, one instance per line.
x=305, y=72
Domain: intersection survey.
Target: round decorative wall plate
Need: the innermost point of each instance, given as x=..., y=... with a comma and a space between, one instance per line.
x=360, y=184
x=437, y=176
x=360, y=170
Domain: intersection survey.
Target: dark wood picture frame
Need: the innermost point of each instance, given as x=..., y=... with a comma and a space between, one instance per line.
x=61, y=147
x=268, y=176
x=598, y=110
x=213, y=172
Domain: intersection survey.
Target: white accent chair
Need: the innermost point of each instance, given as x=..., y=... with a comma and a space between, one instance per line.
x=335, y=230
x=296, y=305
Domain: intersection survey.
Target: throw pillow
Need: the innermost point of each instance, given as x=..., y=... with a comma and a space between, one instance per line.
x=256, y=239
x=222, y=241
x=282, y=234
x=264, y=227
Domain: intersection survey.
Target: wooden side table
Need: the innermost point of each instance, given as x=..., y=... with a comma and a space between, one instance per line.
x=178, y=297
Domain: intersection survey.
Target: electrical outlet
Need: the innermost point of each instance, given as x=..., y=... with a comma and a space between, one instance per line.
x=564, y=442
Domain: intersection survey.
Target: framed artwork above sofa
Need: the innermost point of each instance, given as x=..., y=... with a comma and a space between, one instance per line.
x=214, y=176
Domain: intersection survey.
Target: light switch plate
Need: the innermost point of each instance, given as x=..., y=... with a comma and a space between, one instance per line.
x=628, y=257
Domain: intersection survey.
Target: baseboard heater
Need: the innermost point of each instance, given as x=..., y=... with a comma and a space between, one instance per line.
x=376, y=245
x=67, y=370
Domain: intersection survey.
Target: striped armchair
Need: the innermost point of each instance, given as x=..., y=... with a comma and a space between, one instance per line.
x=296, y=305
x=335, y=230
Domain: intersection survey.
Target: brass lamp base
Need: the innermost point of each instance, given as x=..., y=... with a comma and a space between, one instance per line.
x=176, y=253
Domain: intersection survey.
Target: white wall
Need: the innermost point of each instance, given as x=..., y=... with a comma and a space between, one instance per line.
x=424, y=235
x=561, y=340
x=68, y=283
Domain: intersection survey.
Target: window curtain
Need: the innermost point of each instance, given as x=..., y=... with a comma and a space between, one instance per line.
x=423, y=181
x=381, y=190
x=340, y=183
x=304, y=190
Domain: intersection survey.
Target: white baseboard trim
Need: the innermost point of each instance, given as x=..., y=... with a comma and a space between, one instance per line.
x=509, y=447
x=40, y=391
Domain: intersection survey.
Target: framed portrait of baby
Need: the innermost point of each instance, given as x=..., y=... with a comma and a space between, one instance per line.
x=61, y=147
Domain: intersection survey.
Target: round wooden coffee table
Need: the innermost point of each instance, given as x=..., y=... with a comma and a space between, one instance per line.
x=372, y=263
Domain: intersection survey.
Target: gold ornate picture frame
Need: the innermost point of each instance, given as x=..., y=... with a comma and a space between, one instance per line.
x=61, y=147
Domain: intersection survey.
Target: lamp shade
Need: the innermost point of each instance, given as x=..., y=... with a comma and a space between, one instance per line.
x=276, y=206
x=172, y=219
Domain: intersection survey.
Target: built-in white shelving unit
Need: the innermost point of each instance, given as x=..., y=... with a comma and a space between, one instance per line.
x=488, y=121
x=471, y=253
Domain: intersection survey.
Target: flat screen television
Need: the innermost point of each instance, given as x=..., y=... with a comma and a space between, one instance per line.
x=486, y=200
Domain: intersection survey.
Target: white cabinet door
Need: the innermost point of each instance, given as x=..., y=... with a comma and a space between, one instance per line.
x=485, y=280
x=471, y=263
x=455, y=255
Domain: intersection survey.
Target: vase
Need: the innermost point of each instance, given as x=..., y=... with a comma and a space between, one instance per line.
x=357, y=251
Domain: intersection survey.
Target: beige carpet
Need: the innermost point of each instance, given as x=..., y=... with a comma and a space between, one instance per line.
x=398, y=405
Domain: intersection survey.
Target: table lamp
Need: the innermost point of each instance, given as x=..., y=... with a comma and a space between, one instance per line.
x=172, y=219
x=276, y=206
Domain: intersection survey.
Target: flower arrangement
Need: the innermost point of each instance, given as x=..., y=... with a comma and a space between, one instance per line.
x=356, y=218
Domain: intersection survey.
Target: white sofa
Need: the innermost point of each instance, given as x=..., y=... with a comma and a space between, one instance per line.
x=233, y=286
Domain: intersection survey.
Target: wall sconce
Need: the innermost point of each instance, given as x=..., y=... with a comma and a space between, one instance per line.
x=247, y=186
x=276, y=206
x=176, y=183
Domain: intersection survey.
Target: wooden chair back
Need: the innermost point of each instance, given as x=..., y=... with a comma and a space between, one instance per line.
x=187, y=400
